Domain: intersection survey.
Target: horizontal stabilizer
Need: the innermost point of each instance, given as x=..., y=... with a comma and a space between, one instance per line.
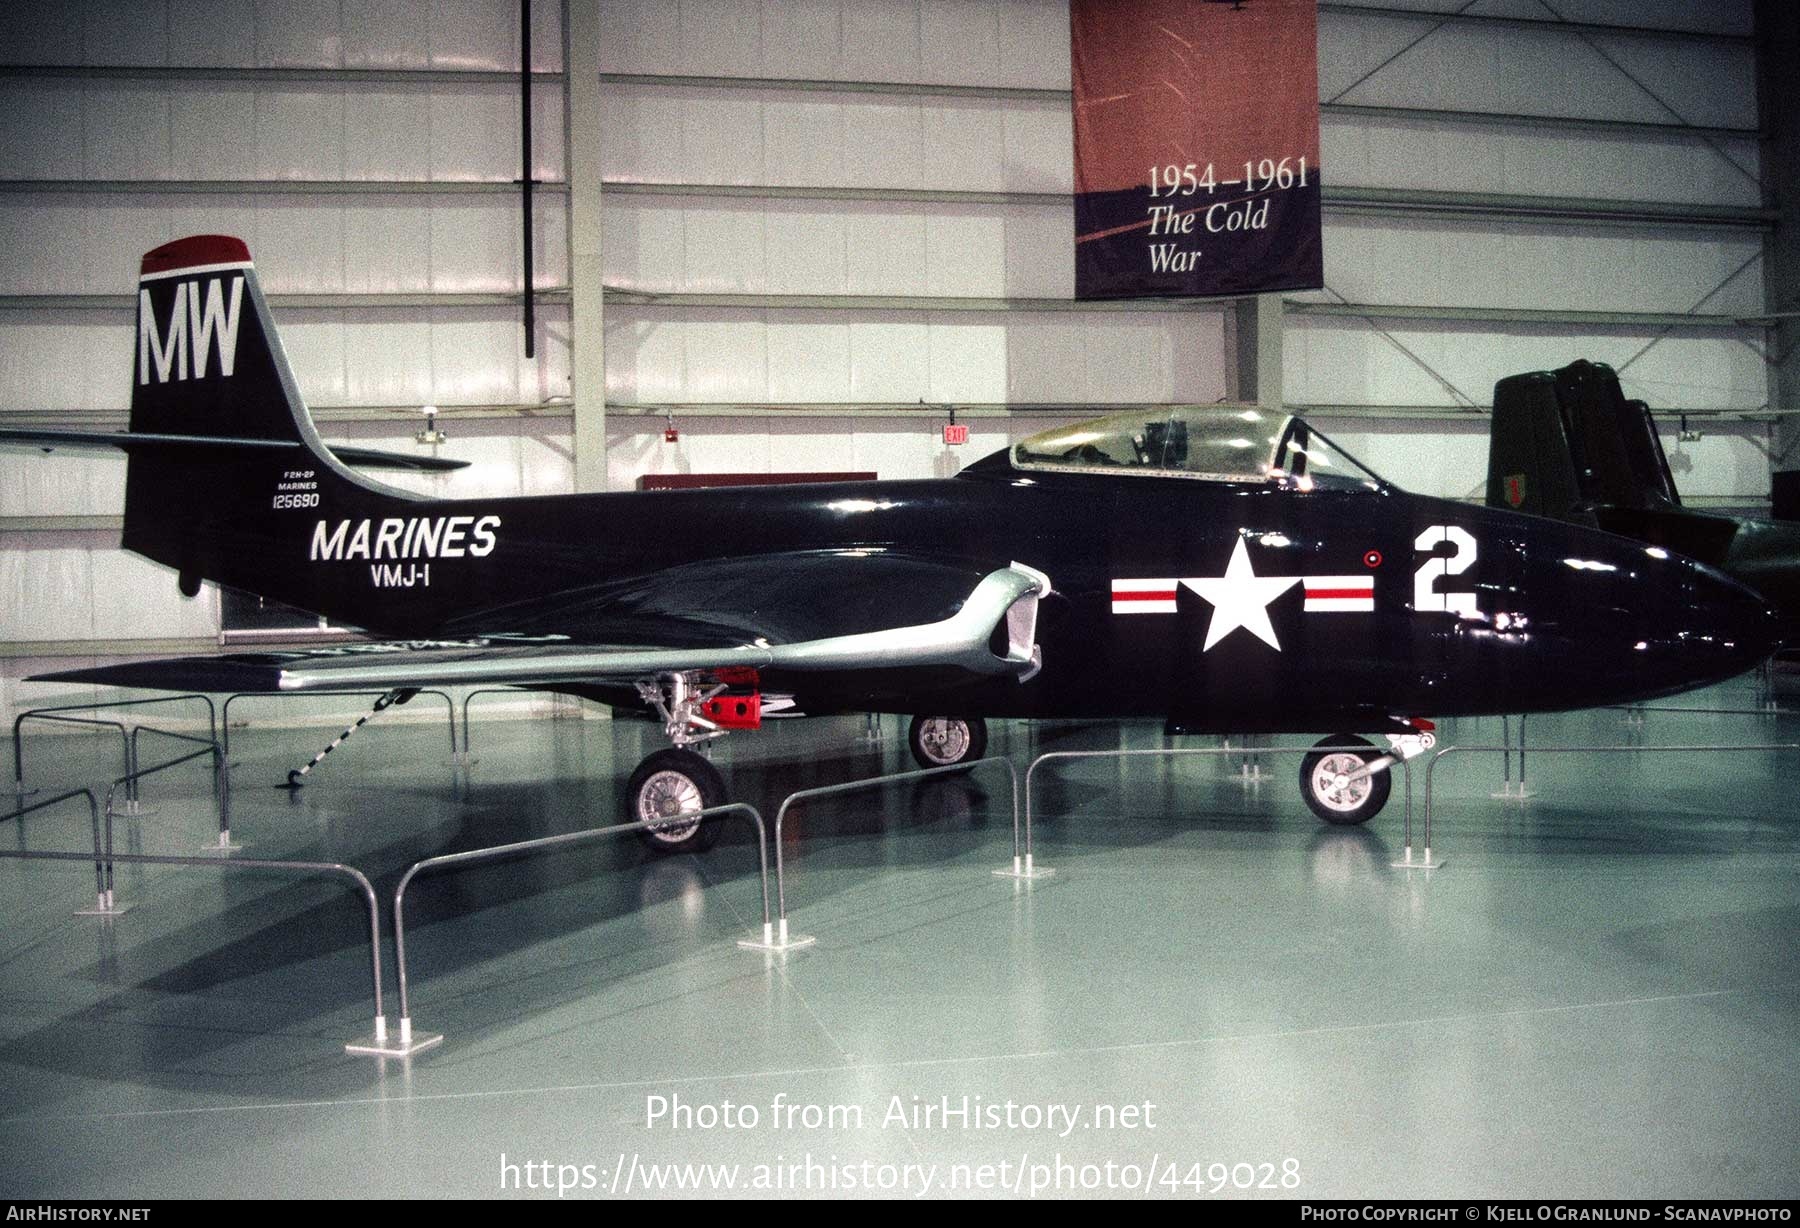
x=138, y=441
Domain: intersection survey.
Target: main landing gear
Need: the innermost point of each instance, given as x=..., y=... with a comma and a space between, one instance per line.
x=696, y=706
x=672, y=783
x=1346, y=781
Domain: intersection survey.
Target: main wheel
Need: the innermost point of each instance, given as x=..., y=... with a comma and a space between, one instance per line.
x=942, y=741
x=1332, y=795
x=667, y=785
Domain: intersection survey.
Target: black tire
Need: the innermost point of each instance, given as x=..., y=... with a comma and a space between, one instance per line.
x=1361, y=801
x=943, y=741
x=668, y=784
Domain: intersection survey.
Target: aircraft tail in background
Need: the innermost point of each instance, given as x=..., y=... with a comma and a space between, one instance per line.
x=1566, y=442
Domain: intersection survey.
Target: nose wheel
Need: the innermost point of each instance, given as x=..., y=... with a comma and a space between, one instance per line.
x=668, y=785
x=1331, y=786
x=944, y=741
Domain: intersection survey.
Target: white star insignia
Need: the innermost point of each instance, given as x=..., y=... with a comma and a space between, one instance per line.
x=1240, y=598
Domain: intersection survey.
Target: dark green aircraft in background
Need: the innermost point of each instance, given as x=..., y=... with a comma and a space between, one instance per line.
x=1566, y=444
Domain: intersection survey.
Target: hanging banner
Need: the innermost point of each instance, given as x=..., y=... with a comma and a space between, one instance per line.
x=1196, y=147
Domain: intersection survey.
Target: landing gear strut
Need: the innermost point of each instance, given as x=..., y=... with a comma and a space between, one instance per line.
x=679, y=781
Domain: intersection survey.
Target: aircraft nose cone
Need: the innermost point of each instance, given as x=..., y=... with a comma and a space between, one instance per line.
x=1705, y=628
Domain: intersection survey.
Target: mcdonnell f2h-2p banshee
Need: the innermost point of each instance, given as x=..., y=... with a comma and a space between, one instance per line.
x=1225, y=569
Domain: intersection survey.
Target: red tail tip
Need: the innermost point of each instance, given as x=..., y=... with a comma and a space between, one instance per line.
x=194, y=251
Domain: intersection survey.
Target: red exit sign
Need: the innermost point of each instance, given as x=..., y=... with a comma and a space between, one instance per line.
x=955, y=432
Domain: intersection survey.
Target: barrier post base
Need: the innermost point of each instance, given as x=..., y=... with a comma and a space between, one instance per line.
x=776, y=938
x=1409, y=862
x=1023, y=868
x=407, y=1043
x=132, y=808
x=1510, y=792
x=462, y=758
x=104, y=906
x=221, y=847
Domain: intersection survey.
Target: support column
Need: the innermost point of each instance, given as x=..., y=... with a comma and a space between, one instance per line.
x=587, y=339
x=1256, y=330
x=1778, y=113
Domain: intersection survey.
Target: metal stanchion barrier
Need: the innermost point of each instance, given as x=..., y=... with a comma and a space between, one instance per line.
x=104, y=857
x=1250, y=770
x=1176, y=752
x=449, y=707
x=1508, y=791
x=103, y=905
x=782, y=940
x=409, y=1042
x=463, y=757
x=292, y=867
x=108, y=907
x=55, y=716
x=221, y=785
x=20, y=789
x=1639, y=708
x=1427, y=863
x=1634, y=713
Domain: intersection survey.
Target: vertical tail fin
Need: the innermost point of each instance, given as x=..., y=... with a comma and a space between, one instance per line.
x=204, y=363
x=207, y=366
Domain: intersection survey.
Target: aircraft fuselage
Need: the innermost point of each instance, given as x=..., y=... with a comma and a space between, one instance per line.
x=1223, y=606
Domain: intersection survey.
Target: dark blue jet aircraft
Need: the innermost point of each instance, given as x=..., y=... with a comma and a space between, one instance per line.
x=1225, y=568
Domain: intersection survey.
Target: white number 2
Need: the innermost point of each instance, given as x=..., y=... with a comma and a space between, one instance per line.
x=1425, y=596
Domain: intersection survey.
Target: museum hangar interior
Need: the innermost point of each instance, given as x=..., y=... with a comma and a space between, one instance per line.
x=834, y=237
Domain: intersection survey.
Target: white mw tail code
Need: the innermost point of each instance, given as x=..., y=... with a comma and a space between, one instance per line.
x=198, y=320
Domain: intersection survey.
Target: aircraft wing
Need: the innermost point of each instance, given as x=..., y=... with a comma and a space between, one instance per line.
x=772, y=612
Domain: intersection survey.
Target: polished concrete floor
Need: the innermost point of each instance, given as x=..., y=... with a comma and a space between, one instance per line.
x=1596, y=995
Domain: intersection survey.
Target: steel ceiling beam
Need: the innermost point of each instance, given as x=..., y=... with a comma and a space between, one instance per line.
x=1336, y=199
x=1520, y=119
x=1327, y=7
x=336, y=76
x=318, y=301
x=277, y=187
x=901, y=302
x=1529, y=315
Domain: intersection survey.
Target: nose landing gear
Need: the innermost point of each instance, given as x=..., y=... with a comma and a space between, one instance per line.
x=1346, y=780
x=944, y=741
x=1336, y=785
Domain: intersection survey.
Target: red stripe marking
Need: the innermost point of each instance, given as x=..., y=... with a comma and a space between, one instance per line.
x=1331, y=594
x=194, y=250
x=1145, y=596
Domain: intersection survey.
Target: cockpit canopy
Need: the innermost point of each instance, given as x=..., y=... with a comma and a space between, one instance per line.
x=1215, y=443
